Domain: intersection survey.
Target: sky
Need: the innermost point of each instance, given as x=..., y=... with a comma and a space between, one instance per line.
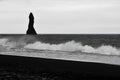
x=61, y=16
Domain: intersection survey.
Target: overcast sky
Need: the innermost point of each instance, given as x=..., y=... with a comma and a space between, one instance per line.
x=61, y=16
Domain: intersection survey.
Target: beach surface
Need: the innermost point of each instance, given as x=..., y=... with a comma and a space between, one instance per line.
x=63, y=55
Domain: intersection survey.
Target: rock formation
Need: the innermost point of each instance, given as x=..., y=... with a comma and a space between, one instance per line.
x=31, y=30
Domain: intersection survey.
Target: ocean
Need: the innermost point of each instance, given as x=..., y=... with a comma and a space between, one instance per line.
x=86, y=47
x=95, y=48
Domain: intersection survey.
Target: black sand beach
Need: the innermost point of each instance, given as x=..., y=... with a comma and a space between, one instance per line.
x=52, y=69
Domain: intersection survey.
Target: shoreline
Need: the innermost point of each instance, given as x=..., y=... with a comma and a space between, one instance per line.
x=60, y=66
x=69, y=56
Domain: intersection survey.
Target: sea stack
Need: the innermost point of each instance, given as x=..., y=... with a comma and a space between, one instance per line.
x=31, y=30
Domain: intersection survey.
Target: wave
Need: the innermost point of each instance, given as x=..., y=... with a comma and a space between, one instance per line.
x=75, y=46
x=7, y=44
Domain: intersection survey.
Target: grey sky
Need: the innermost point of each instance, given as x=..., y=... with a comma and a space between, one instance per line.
x=61, y=16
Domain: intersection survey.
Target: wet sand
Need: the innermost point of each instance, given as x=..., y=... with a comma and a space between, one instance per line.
x=60, y=65
x=72, y=56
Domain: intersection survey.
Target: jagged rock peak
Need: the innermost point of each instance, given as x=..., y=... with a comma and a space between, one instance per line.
x=31, y=30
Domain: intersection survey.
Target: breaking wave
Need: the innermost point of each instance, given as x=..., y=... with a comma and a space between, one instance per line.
x=75, y=46
x=7, y=44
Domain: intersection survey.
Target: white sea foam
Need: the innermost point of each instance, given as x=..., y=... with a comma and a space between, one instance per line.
x=75, y=46
x=6, y=44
